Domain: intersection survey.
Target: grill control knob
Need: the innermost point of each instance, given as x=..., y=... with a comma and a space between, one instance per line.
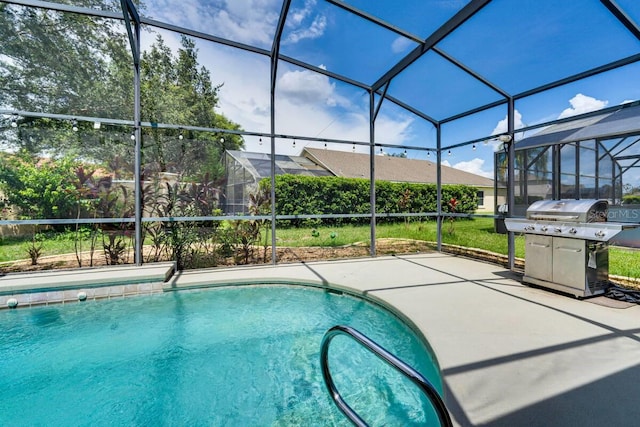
x=544, y=228
x=573, y=231
x=600, y=233
x=558, y=230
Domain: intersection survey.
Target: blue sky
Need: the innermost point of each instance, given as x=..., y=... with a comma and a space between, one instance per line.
x=515, y=44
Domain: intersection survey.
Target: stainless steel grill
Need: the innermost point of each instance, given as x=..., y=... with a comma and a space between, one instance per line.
x=566, y=245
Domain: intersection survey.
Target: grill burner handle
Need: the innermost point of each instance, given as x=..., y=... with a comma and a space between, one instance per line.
x=539, y=245
x=574, y=250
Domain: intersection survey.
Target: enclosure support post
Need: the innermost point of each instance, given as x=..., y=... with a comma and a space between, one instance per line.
x=511, y=242
x=439, y=187
x=372, y=172
x=275, y=53
x=597, y=147
x=556, y=172
x=273, y=166
x=131, y=13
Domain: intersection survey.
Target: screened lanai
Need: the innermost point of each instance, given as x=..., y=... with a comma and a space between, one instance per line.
x=582, y=158
x=142, y=98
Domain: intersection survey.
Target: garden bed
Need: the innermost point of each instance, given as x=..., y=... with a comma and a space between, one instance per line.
x=386, y=246
x=285, y=254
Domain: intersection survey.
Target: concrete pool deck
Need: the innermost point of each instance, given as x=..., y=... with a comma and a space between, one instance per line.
x=511, y=355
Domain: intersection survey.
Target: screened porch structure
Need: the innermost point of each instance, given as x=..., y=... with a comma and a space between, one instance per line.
x=445, y=79
x=582, y=158
x=245, y=170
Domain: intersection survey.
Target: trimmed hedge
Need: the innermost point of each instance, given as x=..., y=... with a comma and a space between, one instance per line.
x=309, y=195
x=631, y=199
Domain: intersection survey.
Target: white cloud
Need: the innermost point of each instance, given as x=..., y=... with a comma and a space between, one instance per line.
x=579, y=104
x=307, y=103
x=313, y=31
x=401, y=44
x=302, y=24
x=297, y=16
x=582, y=104
x=395, y=130
x=308, y=87
x=502, y=127
x=318, y=122
x=258, y=33
x=245, y=21
x=473, y=166
x=244, y=96
x=323, y=121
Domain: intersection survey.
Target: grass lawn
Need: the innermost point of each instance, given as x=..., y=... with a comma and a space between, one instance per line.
x=473, y=233
x=624, y=262
x=476, y=233
x=12, y=249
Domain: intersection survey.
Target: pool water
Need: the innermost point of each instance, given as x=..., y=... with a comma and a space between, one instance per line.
x=232, y=356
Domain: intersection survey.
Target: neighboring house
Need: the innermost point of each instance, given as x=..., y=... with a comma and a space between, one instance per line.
x=244, y=170
x=400, y=169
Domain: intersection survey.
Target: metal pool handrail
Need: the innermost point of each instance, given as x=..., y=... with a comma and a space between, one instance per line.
x=393, y=361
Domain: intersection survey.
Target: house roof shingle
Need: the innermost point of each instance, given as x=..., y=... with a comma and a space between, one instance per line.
x=388, y=168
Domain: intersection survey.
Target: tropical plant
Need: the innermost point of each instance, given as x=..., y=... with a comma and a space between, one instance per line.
x=451, y=206
x=115, y=202
x=260, y=204
x=34, y=247
x=245, y=234
x=186, y=242
x=404, y=202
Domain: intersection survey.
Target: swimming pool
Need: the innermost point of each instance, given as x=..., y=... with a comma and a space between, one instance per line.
x=229, y=356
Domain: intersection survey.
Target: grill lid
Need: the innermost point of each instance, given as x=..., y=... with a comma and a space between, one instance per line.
x=585, y=210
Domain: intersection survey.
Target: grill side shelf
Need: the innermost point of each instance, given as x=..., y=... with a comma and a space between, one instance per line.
x=598, y=231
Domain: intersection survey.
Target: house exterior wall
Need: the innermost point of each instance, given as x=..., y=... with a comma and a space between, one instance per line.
x=490, y=200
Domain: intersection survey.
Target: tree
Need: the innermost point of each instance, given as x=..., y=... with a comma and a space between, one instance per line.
x=175, y=90
x=67, y=63
x=54, y=61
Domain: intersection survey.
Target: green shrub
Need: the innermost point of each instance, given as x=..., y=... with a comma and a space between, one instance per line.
x=308, y=195
x=39, y=188
x=631, y=199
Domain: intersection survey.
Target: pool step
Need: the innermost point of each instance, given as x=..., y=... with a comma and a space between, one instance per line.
x=46, y=287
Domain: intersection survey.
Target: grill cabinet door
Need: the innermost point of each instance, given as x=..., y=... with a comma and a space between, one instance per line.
x=538, y=257
x=569, y=258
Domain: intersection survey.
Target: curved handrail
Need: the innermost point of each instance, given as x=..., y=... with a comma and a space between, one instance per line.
x=393, y=361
